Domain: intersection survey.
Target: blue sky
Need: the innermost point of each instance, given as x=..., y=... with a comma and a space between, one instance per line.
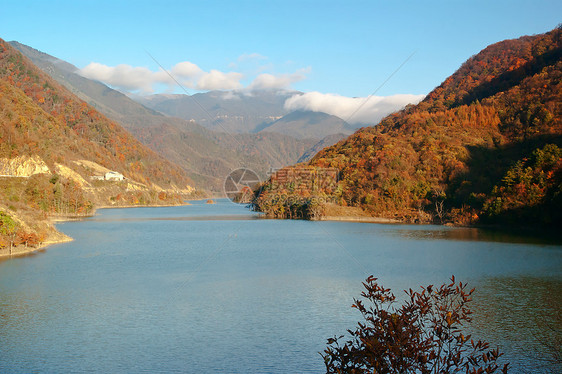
x=342, y=47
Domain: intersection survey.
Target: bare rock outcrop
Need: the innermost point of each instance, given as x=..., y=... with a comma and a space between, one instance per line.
x=23, y=166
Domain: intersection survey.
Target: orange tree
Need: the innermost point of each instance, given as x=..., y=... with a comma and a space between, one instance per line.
x=424, y=335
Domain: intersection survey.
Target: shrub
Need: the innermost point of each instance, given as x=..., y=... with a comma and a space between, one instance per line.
x=424, y=335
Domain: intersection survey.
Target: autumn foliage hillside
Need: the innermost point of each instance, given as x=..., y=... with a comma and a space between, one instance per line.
x=483, y=147
x=39, y=116
x=53, y=150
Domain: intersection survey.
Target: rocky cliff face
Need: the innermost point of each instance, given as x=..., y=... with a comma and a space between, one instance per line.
x=23, y=166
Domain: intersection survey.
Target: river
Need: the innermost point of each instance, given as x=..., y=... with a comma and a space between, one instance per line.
x=212, y=288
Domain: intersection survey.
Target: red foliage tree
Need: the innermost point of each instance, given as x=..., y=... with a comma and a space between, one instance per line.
x=424, y=335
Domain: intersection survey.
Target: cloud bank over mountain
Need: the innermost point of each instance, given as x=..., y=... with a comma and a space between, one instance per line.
x=366, y=111
x=357, y=111
x=268, y=81
x=145, y=81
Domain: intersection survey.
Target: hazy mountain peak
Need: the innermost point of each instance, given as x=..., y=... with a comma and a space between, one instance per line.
x=309, y=125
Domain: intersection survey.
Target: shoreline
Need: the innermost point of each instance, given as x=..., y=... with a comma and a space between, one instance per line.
x=334, y=212
x=21, y=251
x=365, y=219
x=57, y=237
x=136, y=206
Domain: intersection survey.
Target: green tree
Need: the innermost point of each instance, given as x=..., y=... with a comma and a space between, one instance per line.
x=8, y=230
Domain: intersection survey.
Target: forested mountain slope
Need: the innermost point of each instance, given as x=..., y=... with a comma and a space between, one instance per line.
x=41, y=117
x=55, y=152
x=483, y=147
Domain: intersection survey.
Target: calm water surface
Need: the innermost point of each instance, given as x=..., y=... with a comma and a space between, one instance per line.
x=210, y=288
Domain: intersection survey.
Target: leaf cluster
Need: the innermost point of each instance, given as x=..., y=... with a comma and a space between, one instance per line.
x=423, y=335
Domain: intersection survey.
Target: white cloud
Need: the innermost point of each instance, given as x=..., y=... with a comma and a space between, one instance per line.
x=186, y=69
x=217, y=80
x=268, y=81
x=250, y=57
x=231, y=95
x=355, y=110
x=144, y=80
x=122, y=76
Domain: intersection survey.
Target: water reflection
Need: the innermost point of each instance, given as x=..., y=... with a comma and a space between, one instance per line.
x=237, y=217
x=524, y=315
x=426, y=232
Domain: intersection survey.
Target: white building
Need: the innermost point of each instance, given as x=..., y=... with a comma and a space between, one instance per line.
x=113, y=176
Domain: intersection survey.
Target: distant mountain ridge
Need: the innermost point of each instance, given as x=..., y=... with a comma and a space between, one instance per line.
x=306, y=125
x=113, y=103
x=232, y=111
x=248, y=112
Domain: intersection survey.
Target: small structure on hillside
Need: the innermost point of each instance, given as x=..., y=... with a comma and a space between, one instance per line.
x=113, y=176
x=109, y=176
